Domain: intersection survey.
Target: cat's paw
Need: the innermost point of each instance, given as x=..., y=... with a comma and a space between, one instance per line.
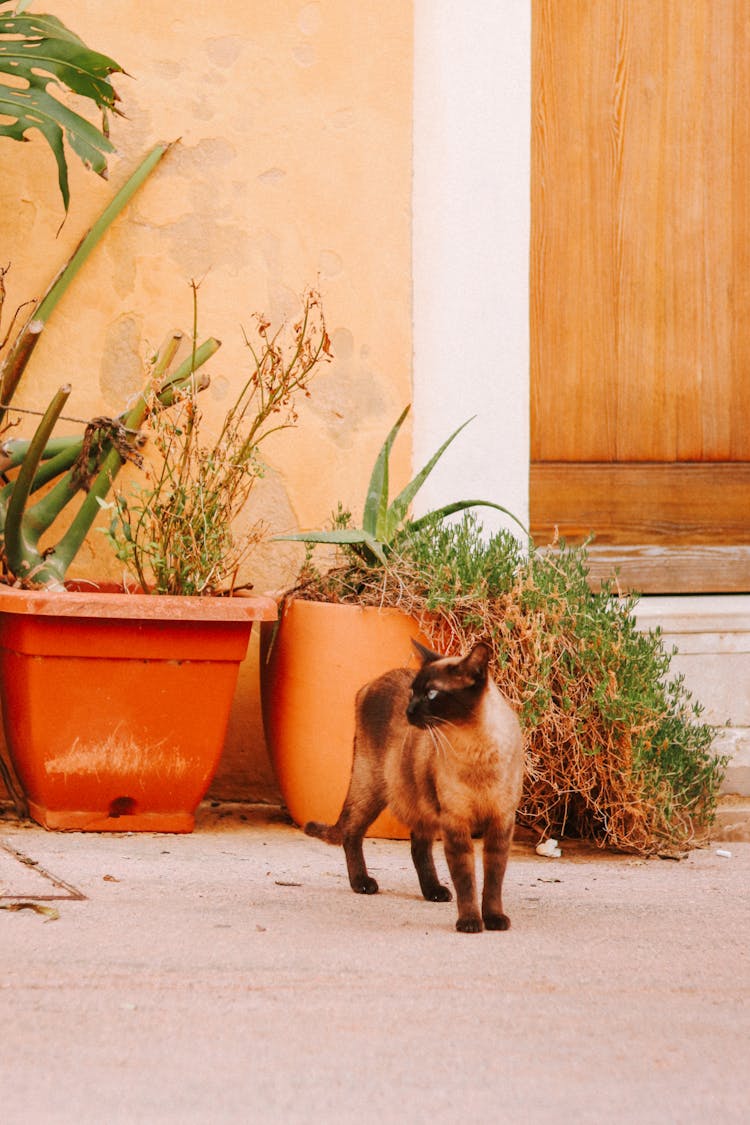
x=365, y=886
x=497, y=921
x=471, y=924
x=438, y=893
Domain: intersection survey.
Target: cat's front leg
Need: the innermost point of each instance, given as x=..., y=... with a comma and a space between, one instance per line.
x=459, y=852
x=496, y=848
x=431, y=887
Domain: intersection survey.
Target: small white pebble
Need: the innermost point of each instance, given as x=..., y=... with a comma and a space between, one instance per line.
x=724, y=853
x=549, y=849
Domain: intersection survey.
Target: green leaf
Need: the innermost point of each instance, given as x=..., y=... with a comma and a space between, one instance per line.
x=41, y=52
x=460, y=506
x=21, y=541
x=376, y=506
x=340, y=538
x=400, y=506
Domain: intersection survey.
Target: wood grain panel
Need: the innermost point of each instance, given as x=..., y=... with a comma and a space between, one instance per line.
x=738, y=396
x=640, y=230
x=648, y=569
x=635, y=503
x=566, y=251
x=640, y=285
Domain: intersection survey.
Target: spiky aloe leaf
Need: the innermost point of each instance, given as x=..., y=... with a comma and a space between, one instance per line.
x=461, y=506
x=41, y=52
x=351, y=537
x=375, y=514
x=384, y=524
x=397, y=511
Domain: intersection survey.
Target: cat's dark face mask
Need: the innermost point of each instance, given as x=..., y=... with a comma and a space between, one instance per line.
x=447, y=699
x=445, y=689
x=417, y=713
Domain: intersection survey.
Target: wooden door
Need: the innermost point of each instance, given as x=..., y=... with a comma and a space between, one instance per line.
x=640, y=286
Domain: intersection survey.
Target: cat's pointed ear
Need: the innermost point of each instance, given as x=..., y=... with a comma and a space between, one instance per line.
x=478, y=660
x=427, y=655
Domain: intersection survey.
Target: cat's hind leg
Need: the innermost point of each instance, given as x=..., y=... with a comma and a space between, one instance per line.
x=365, y=800
x=349, y=830
x=359, y=880
x=362, y=806
x=351, y=836
x=431, y=887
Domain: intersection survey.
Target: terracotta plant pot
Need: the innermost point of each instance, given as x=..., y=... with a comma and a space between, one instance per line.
x=311, y=670
x=116, y=705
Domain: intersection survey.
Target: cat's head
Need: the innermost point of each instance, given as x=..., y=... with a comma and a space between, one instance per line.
x=448, y=689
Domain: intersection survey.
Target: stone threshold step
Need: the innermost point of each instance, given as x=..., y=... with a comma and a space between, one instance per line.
x=732, y=820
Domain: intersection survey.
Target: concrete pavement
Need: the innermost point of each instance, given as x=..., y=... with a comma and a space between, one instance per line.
x=231, y=976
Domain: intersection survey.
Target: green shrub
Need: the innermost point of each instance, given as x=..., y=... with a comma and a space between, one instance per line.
x=616, y=750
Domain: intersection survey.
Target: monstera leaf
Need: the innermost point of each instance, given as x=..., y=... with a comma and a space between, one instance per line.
x=40, y=57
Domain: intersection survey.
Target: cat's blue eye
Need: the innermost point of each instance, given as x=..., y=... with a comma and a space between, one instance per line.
x=432, y=693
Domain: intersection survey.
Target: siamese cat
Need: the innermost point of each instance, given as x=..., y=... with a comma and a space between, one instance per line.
x=443, y=749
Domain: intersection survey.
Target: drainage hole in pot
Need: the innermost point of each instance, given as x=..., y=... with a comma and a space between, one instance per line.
x=123, y=806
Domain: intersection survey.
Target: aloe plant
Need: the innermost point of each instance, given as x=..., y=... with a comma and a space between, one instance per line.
x=41, y=52
x=384, y=520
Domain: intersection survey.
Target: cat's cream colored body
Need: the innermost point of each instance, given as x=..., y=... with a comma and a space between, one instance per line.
x=476, y=771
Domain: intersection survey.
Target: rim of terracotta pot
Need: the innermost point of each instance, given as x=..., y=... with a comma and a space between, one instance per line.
x=93, y=599
x=345, y=607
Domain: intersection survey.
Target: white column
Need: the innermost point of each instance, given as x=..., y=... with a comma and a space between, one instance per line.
x=472, y=97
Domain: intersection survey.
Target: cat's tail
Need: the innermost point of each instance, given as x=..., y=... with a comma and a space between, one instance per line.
x=330, y=833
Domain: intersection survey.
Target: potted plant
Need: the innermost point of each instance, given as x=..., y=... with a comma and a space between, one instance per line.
x=616, y=749
x=139, y=729
x=145, y=675
x=330, y=640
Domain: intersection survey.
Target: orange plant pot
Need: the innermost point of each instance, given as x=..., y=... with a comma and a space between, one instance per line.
x=311, y=669
x=116, y=705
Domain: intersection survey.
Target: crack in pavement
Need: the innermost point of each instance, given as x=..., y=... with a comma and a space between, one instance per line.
x=31, y=878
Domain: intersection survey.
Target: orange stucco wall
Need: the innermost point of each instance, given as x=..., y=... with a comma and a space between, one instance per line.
x=293, y=167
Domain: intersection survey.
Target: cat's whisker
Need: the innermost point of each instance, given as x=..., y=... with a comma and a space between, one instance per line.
x=439, y=721
x=440, y=740
x=432, y=735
